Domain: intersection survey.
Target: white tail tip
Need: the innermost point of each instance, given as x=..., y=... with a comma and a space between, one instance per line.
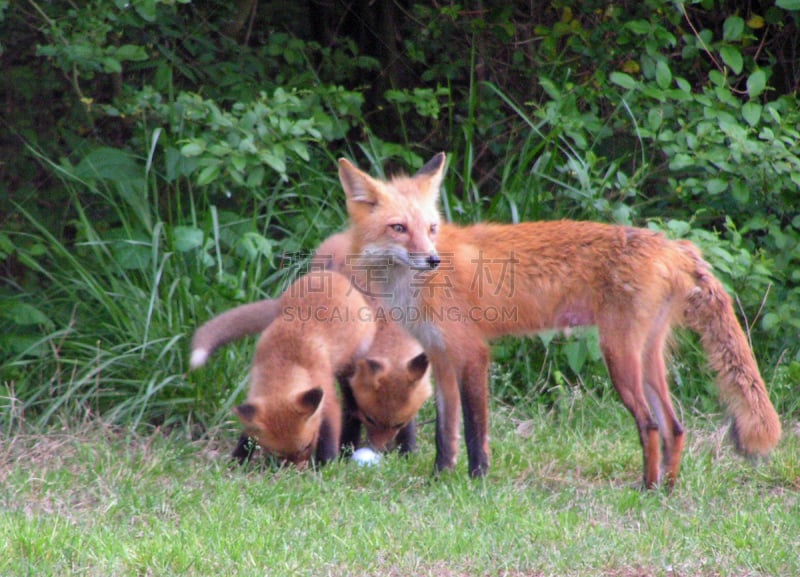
x=198, y=358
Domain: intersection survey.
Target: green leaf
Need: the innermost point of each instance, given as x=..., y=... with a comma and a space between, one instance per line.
x=663, y=74
x=741, y=192
x=239, y=162
x=208, y=175
x=770, y=320
x=22, y=314
x=751, y=112
x=717, y=78
x=732, y=57
x=256, y=177
x=146, y=9
x=756, y=83
x=716, y=186
x=683, y=84
x=132, y=253
x=679, y=228
x=788, y=4
x=624, y=80
x=6, y=246
x=299, y=149
x=111, y=65
x=681, y=161
x=194, y=148
x=275, y=159
x=576, y=354
x=654, y=118
x=187, y=238
x=639, y=27
x=733, y=28
x=256, y=245
x=131, y=52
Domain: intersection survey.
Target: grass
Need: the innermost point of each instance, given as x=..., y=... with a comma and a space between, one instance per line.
x=561, y=498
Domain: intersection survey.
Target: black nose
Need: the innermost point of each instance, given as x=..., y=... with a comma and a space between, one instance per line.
x=434, y=261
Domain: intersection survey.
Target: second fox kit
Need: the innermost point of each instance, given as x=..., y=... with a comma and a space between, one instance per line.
x=385, y=389
x=456, y=287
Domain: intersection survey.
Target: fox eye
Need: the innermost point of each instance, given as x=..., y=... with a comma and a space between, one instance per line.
x=399, y=228
x=369, y=420
x=434, y=228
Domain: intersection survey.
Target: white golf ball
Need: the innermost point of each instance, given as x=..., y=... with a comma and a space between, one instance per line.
x=366, y=456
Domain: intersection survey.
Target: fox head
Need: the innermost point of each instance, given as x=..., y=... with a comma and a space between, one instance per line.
x=389, y=395
x=286, y=427
x=398, y=218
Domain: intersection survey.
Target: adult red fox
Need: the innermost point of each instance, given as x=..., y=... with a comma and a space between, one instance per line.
x=385, y=389
x=456, y=287
x=292, y=407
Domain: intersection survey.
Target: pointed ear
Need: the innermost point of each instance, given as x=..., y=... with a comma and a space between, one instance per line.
x=434, y=165
x=433, y=173
x=358, y=186
x=417, y=366
x=246, y=413
x=309, y=401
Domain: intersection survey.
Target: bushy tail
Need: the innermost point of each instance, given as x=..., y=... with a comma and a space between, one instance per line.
x=239, y=322
x=253, y=318
x=709, y=311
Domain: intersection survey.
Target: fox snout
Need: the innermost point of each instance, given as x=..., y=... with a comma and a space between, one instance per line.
x=421, y=260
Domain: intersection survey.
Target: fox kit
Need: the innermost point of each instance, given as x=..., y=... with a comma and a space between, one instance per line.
x=392, y=382
x=456, y=287
x=292, y=407
x=386, y=388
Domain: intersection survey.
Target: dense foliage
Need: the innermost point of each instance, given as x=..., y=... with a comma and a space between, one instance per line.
x=165, y=160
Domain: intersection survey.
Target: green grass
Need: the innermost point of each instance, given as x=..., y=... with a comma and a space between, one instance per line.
x=561, y=498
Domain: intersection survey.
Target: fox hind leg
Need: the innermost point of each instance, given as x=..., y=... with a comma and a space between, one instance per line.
x=657, y=393
x=624, y=362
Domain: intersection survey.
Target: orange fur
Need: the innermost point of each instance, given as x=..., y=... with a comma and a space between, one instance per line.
x=385, y=391
x=392, y=382
x=292, y=408
x=457, y=287
x=239, y=322
x=389, y=387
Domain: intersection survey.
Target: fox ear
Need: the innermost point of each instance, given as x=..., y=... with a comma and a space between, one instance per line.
x=310, y=400
x=434, y=165
x=432, y=173
x=417, y=366
x=358, y=186
x=246, y=413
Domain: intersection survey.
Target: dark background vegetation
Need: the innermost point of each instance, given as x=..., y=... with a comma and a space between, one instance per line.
x=162, y=161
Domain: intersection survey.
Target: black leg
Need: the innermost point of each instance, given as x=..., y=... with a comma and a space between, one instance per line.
x=407, y=439
x=244, y=449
